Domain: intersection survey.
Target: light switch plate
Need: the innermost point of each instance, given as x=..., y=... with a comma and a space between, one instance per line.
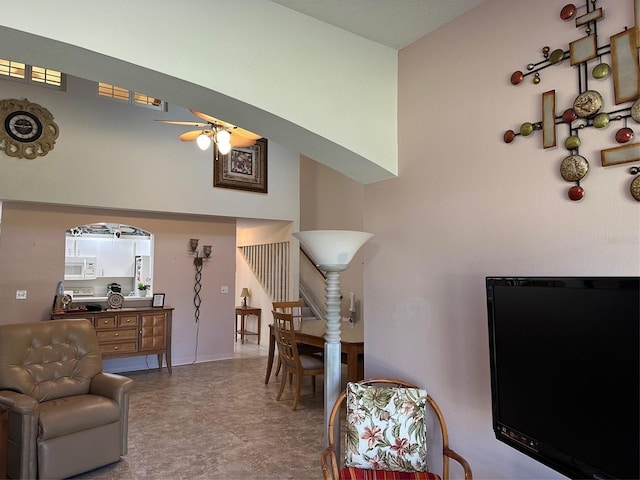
x=224, y=289
x=21, y=294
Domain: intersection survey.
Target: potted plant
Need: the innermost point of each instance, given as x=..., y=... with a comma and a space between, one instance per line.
x=142, y=289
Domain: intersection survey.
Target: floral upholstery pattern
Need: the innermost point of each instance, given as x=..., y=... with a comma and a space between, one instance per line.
x=386, y=428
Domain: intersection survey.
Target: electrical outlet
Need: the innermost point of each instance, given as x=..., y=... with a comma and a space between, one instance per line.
x=21, y=294
x=224, y=289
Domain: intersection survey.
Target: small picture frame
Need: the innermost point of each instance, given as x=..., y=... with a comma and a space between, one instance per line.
x=158, y=300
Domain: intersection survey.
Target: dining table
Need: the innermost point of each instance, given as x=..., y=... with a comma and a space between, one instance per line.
x=311, y=332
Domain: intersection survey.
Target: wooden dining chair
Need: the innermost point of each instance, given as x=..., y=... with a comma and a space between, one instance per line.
x=294, y=363
x=294, y=307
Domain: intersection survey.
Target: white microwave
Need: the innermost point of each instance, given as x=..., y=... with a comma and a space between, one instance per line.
x=80, y=268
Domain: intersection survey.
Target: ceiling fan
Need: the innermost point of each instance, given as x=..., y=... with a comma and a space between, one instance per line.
x=225, y=135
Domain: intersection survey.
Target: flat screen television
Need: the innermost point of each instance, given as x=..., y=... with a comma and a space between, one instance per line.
x=565, y=368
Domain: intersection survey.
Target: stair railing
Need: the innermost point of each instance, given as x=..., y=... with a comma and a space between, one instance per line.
x=310, y=301
x=312, y=262
x=270, y=264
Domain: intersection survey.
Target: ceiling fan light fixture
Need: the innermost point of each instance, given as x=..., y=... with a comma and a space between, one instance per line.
x=224, y=147
x=223, y=136
x=203, y=141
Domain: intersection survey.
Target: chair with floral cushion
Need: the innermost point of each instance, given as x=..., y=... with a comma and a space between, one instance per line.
x=386, y=435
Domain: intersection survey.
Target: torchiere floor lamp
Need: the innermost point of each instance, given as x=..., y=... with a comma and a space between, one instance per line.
x=332, y=250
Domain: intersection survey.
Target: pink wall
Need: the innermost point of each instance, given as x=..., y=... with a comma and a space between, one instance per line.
x=32, y=258
x=331, y=201
x=466, y=205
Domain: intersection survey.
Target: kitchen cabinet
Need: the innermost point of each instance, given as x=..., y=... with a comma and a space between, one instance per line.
x=86, y=247
x=115, y=258
x=142, y=247
x=69, y=246
x=80, y=247
x=129, y=332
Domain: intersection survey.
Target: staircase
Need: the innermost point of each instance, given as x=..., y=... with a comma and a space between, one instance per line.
x=270, y=264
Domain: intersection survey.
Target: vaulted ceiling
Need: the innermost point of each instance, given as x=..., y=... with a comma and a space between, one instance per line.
x=394, y=23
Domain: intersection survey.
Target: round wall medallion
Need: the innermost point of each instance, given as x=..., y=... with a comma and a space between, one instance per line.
x=635, y=111
x=27, y=130
x=115, y=300
x=556, y=56
x=635, y=188
x=576, y=193
x=572, y=142
x=574, y=167
x=602, y=70
x=587, y=104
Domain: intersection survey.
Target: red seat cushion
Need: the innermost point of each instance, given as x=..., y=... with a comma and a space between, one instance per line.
x=350, y=473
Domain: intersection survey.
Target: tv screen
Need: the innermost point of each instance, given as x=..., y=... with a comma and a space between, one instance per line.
x=565, y=369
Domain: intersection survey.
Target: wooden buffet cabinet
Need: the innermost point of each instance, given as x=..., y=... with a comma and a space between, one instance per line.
x=129, y=332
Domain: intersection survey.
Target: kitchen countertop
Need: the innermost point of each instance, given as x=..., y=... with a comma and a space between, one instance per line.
x=127, y=298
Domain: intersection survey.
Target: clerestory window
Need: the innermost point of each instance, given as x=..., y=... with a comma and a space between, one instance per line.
x=134, y=98
x=12, y=70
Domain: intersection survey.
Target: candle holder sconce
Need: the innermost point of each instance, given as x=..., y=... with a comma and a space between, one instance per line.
x=198, y=262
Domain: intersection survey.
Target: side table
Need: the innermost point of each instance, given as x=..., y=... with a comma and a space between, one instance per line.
x=243, y=312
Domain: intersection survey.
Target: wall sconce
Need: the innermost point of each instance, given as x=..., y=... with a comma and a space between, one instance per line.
x=206, y=252
x=198, y=262
x=245, y=294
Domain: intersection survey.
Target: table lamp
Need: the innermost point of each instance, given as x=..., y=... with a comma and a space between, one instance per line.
x=244, y=294
x=332, y=251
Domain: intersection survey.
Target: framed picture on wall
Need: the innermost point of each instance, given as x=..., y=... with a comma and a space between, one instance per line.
x=158, y=300
x=242, y=168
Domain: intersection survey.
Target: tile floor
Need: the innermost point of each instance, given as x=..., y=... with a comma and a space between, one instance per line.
x=218, y=420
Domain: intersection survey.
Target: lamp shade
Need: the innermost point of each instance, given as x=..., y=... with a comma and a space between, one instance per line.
x=203, y=141
x=223, y=136
x=245, y=292
x=224, y=147
x=333, y=250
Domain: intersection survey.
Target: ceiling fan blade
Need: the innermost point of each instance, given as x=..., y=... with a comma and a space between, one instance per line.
x=241, y=142
x=191, y=124
x=192, y=135
x=231, y=127
x=206, y=118
x=241, y=132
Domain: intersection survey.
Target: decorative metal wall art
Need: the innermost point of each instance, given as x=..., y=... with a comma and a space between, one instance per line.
x=27, y=130
x=589, y=108
x=198, y=262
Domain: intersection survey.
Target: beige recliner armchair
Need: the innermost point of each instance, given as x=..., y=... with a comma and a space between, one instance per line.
x=65, y=415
